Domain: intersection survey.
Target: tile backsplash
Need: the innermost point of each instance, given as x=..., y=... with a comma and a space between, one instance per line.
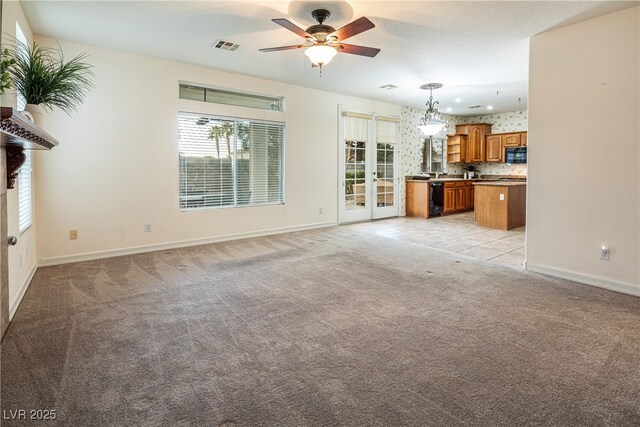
x=412, y=140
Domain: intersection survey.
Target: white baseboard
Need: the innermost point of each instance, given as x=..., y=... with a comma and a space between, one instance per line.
x=13, y=305
x=110, y=253
x=627, y=288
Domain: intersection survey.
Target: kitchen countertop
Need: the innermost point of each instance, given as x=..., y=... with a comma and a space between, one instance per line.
x=501, y=183
x=495, y=181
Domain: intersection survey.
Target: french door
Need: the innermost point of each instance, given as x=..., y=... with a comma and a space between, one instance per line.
x=369, y=167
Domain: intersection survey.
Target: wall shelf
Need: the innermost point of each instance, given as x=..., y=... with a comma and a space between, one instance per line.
x=18, y=133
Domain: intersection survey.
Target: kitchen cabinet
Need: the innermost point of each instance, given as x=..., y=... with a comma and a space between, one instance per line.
x=449, y=198
x=500, y=205
x=476, y=133
x=497, y=142
x=456, y=148
x=511, y=139
x=468, y=195
x=458, y=196
x=494, y=148
x=417, y=200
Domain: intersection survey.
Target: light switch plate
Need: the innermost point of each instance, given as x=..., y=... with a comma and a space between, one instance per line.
x=502, y=197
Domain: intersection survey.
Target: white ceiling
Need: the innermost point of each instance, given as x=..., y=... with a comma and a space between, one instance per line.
x=477, y=49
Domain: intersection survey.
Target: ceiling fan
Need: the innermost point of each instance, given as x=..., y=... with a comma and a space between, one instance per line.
x=323, y=41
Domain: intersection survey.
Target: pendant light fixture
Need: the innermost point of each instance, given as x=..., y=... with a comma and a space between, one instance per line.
x=431, y=123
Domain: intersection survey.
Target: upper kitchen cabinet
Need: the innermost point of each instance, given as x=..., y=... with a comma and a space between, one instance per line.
x=497, y=142
x=511, y=139
x=476, y=133
x=493, y=150
x=456, y=148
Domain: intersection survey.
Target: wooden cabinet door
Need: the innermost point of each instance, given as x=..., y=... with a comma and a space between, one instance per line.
x=449, y=200
x=511, y=140
x=523, y=140
x=468, y=197
x=494, y=148
x=459, y=197
x=476, y=142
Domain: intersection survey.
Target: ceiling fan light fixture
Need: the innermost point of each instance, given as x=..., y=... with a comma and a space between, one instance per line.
x=320, y=54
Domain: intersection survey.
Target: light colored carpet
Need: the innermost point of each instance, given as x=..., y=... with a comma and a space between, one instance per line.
x=338, y=326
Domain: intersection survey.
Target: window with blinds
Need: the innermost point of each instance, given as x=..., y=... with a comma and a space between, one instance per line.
x=226, y=162
x=24, y=194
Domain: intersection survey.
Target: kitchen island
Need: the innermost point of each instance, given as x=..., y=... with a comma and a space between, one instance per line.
x=500, y=204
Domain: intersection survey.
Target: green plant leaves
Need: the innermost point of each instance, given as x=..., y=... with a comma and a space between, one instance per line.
x=42, y=76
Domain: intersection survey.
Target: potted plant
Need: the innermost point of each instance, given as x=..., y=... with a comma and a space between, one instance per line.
x=5, y=63
x=471, y=170
x=45, y=80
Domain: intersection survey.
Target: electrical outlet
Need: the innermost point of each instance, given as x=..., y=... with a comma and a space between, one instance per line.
x=73, y=235
x=320, y=211
x=147, y=228
x=604, y=253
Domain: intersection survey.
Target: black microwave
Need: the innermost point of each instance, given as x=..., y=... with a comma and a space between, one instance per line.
x=515, y=155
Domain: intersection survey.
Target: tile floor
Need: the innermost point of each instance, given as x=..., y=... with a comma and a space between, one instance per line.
x=456, y=233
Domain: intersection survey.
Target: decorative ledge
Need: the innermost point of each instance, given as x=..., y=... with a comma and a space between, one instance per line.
x=18, y=133
x=17, y=129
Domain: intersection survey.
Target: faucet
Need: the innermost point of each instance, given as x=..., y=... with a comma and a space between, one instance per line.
x=437, y=175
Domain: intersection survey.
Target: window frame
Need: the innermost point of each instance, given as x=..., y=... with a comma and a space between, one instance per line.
x=26, y=170
x=235, y=205
x=428, y=148
x=25, y=176
x=205, y=88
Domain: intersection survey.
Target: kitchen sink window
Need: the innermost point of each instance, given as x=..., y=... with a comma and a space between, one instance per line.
x=433, y=153
x=229, y=162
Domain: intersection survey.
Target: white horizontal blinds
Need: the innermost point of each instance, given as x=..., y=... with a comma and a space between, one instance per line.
x=259, y=155
x=24, y=194
x=229, y=162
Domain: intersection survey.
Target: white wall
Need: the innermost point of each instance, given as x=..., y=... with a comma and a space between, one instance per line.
x=584, y=184
x=116, y=167
x=23, y=256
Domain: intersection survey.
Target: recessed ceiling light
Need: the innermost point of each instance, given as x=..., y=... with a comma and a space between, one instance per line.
x=458, y=100
x=449, y=109
x=388, y=86
x=489, y=107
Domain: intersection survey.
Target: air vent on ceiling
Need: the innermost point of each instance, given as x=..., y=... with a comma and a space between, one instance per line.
x=388, y=86
x=225, y=45
x=476, y=106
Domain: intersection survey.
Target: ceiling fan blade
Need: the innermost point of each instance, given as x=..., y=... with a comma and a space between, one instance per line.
x=275, y=49
x=291, y=26
x=358, y=26
x=359, y=50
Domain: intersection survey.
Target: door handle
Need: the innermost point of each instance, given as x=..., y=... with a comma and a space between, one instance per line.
x=12, y=240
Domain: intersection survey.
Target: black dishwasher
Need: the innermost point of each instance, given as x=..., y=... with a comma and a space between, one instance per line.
x=436, y=199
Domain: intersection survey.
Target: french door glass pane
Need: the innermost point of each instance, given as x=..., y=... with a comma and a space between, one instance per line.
x=384, y=171
x=354, y=175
